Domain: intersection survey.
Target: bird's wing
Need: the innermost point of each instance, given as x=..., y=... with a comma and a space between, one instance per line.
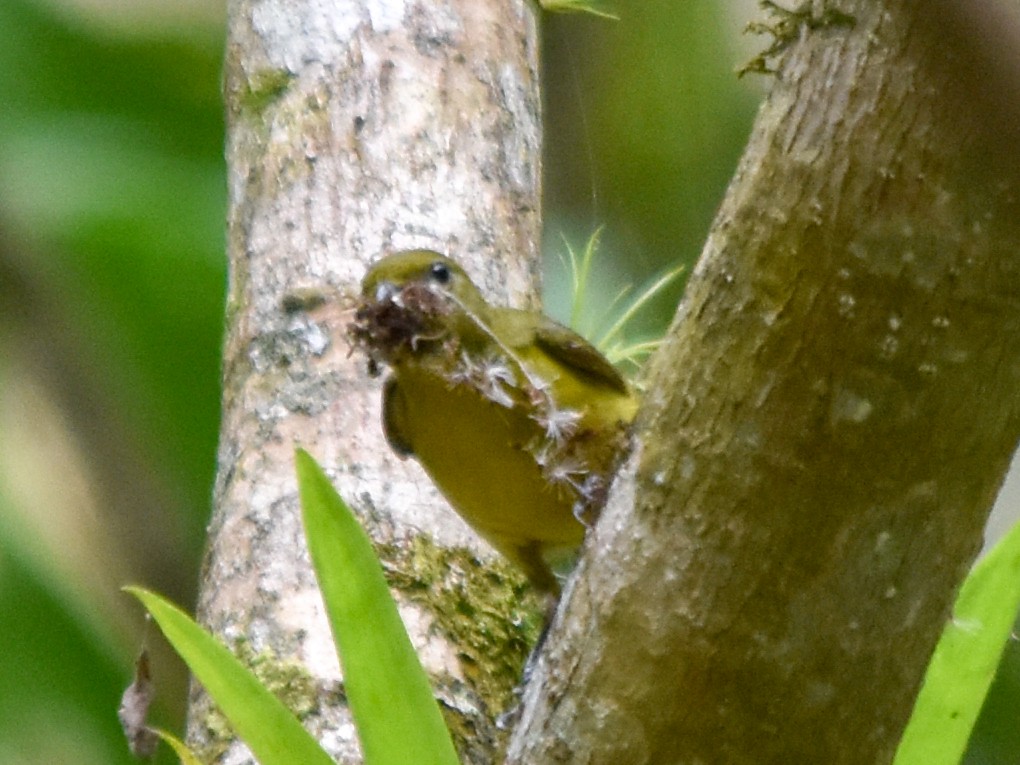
x=572, y=350
x=393, y=418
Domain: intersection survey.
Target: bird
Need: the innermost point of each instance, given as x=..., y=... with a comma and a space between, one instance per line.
x=519, y=421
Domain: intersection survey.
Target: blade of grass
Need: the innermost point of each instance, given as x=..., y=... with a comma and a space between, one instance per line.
x=579, y=272
x=964, y=663
x=630, y=352
x=185, y=755
x=637, y=303
x=578, y=6
x=397, y=718
x=270, y=730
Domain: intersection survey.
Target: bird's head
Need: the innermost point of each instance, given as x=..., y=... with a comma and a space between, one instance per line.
x=412, y=301
x=420, y=270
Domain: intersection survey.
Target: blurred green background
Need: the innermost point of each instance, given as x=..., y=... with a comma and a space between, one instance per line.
x=112, y=277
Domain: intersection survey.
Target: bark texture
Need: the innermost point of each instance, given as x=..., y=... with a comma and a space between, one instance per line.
x=825, y=430
x=358, y=127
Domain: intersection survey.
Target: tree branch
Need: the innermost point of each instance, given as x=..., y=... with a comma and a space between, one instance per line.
x=824, y=432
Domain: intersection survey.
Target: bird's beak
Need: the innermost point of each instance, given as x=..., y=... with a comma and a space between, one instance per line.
x=385, y=292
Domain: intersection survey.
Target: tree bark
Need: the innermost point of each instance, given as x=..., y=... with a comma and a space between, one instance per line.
x=355, y=128
x=824, y=431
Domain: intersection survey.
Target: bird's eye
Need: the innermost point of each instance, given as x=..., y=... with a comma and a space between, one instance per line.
x=439, y=272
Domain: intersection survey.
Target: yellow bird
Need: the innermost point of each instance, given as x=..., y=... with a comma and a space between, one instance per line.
x=519, y=421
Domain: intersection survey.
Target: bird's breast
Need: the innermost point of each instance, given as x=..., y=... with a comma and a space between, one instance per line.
x=484, y=451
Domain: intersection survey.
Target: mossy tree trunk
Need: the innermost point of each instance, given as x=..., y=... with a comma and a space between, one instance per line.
x=826, y=427
x=357, y=128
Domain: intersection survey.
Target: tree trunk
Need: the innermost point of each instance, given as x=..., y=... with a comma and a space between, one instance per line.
x=356, y=128
x=826, y=428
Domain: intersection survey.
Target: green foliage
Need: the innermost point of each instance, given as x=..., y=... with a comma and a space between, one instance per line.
x=270, y=730
x=113, y=172
x=645, y=123
x=397, y=718
x=485, y=608
x=185, y=755
x=59, y=677
x=607, y=326
x=111, y=311
x=964, y=663
x=396, y=715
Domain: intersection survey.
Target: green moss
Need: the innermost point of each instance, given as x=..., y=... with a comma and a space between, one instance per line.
x=219, y=737
x=288, y=680
x=264, y=87
x=217, y=734
x=785, y=26
x=487, y=610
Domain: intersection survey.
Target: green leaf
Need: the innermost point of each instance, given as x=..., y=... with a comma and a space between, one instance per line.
x=270, y=730
x=185, y=755
x=578, y=6
x=611, y=342
x=397, y=718
x=964, y=663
